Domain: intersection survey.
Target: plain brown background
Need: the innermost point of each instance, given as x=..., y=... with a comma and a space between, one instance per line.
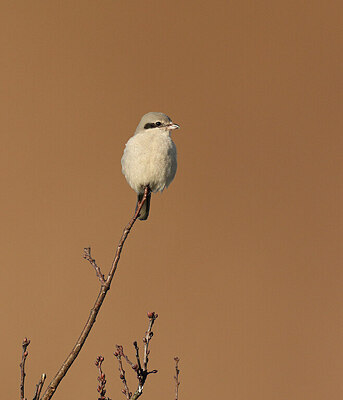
x=240, y=256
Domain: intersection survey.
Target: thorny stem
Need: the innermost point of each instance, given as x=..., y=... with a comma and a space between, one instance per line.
x=24, y=355
x=97, y=305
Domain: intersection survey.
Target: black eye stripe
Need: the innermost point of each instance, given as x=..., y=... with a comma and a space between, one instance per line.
x=151, y=125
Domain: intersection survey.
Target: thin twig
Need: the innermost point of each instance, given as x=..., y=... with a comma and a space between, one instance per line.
x=176, y=377
x=101, y=379
x=24, y=355
x=135, y=344
x=126, y=390
x=87, y=256
x=148, y=335
x=39, y=387
x=124, y=236
x=120, y=350
x=141, y=372
x=97, y=305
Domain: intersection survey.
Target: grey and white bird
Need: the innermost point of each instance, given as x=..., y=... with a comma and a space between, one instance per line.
x=149, y=157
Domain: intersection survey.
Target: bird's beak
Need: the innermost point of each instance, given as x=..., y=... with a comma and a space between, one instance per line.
x=173, y=126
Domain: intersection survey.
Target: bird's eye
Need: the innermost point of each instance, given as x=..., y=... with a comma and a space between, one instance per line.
x=158, y=123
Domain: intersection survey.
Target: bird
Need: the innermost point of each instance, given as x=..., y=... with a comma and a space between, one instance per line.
x=150, y=158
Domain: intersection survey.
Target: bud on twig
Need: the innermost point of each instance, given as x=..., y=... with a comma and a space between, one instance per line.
x=135, y=367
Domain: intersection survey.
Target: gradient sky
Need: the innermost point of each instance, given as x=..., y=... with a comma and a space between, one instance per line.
x=240, y=256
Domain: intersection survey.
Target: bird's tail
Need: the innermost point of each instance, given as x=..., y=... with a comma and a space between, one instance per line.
x=144, y=213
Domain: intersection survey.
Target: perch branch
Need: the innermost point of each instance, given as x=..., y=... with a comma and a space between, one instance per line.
x=123, y=238
x=97, y=305
x=24, y=355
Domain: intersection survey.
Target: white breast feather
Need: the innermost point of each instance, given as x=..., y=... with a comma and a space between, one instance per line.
x=149, y=159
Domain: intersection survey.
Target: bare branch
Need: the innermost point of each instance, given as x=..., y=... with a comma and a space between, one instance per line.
x=126, y=390
x=120, y=350
x=124, y=236
x=24, y=355
x=39, y=387
x=176, y=377
x=148, y=335
x=141, y=372
x=87, y=256
x=135, y=344
x=97, y=305
x=101, y=379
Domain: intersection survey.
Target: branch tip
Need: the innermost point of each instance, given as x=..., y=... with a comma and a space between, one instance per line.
x=24, y=355
x=176, y=377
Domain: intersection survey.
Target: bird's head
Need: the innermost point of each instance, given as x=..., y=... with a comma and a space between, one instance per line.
x=156, y=121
